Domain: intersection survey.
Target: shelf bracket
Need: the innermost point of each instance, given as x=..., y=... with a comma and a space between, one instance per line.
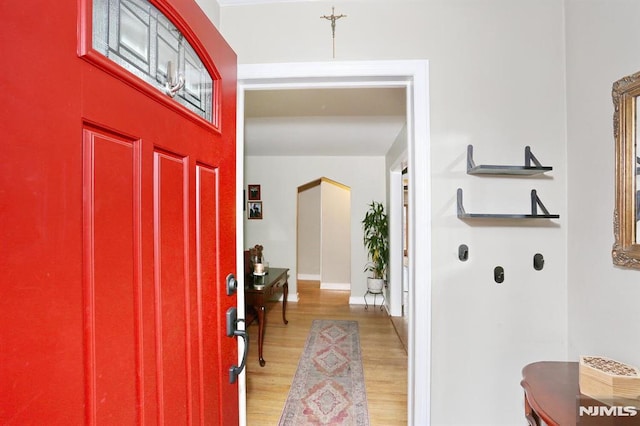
x=461, y=212
x=535, y=203
x=470, y=163
x=529, y=157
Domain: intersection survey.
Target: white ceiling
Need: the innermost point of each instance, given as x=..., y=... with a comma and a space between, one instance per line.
x=327, y=122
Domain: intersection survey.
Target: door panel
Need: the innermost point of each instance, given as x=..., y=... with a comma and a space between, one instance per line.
x=112, y=283
x=118, y=228
x=207, y=276
x=171, y=230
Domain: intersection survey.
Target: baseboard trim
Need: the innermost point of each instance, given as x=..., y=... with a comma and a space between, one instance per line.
x=335, y=286
x=309, y=277
x=356, y=300
x=292, y=297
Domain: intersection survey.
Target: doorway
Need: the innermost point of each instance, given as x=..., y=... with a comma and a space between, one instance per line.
x=324, y=234
x=411, y=75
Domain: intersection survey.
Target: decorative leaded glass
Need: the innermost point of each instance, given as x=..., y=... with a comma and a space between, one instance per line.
x=138, y=37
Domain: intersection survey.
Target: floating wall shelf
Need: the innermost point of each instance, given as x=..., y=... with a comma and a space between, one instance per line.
x=535, y=203
x=527, y=169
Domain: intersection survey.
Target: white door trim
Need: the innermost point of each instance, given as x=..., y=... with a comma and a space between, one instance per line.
x=394, y=274
x=414, y=76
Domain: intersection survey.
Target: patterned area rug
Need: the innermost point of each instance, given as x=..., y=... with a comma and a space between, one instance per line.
x=328, y=387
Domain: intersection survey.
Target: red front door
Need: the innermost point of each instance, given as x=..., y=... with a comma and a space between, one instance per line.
x=118, y=229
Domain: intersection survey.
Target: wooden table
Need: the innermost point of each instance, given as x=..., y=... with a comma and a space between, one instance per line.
x=552, y=395
x=258, y=291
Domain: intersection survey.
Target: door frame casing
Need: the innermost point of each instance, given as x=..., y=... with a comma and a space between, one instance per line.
x=396, y=231
x=412, y=75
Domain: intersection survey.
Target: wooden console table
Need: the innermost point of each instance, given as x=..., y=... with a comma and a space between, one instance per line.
x=258, y=291
x=552, y=395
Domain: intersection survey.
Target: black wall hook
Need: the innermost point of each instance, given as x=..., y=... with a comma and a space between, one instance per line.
x=463, y=252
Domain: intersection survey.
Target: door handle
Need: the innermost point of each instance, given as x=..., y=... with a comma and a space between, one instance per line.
x=174, y=82
x=232, y=330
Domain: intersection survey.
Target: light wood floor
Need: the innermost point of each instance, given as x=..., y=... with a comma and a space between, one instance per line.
x=402, y=329
x=384, y=356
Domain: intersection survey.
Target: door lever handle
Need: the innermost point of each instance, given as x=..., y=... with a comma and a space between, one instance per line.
x=232, y=330
x=234, y=371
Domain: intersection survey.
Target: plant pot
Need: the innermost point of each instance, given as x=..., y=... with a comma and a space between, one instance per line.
x=375, y=285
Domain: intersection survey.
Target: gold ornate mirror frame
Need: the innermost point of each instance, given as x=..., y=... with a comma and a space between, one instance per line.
x=626, y=248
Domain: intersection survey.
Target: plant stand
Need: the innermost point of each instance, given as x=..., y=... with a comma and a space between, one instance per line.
x=375, y=295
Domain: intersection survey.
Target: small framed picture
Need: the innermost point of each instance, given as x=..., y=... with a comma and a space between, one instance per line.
x=254, y=210
x=254, y=192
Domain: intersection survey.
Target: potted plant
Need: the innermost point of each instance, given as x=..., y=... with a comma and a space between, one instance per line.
x=376, y=241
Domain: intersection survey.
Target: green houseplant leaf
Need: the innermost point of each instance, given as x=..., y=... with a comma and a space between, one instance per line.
x=376, y=239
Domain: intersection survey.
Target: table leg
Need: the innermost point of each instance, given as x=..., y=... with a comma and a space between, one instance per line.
x=261, y=323
x=285, y=294
x=529, y=414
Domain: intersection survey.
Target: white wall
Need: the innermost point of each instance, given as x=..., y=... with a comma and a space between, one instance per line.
x=280, y=177
x=309, y=241
x=336, y=237
x=497, y=81
x=602, y=46
x=324, y=235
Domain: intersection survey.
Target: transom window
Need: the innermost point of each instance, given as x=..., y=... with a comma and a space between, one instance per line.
x=138, y=37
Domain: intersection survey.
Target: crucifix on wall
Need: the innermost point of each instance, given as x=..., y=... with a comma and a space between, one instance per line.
x=333, y=18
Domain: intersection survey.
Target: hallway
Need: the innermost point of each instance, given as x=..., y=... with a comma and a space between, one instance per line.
x=383, y=355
